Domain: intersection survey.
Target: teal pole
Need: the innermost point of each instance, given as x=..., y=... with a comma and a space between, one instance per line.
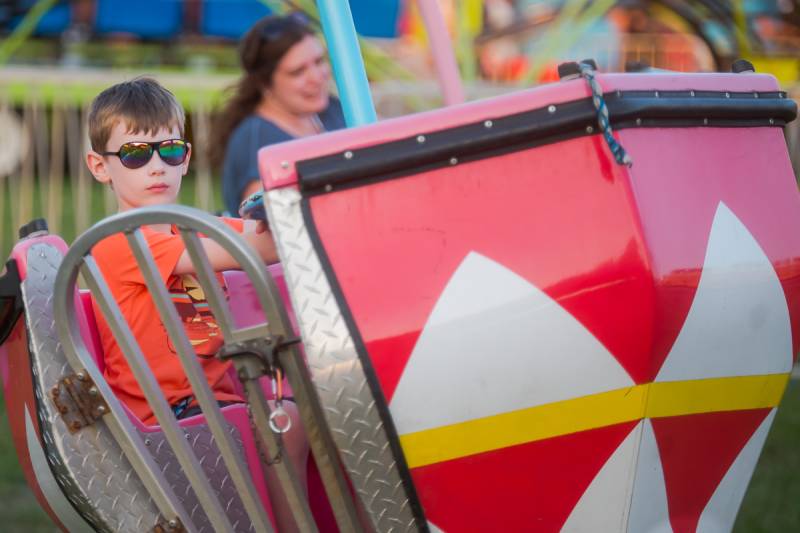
x=348, y=66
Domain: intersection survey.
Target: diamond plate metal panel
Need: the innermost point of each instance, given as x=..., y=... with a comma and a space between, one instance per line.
x=89, y=465
x=91, y=469
x=210, y=459
x=337, y=371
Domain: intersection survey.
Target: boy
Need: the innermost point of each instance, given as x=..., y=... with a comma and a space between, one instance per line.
x=137, y=148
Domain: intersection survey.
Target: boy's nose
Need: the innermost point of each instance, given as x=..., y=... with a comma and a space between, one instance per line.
x=156, y=164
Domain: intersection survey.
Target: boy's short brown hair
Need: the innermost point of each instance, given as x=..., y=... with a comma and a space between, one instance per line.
x=144, y=104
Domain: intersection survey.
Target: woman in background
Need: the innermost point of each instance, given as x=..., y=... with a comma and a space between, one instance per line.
x=283, y=95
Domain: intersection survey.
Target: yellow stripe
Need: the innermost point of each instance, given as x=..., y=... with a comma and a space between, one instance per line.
x=652, y=400
x=712, y=395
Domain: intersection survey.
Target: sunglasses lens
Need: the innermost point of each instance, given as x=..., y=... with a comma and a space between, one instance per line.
x=135, y=155
x=173, y=152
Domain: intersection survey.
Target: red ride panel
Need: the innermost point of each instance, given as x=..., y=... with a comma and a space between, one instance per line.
x=559, y=215
x=677, y=196
x=531, y=487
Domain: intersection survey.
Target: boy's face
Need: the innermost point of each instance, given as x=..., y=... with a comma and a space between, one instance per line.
x=155, y=183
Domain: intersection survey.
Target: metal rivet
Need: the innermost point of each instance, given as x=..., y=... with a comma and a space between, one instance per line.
x=551, y=109
x=420, y=139
x=656, y=94
x=705, y=121
x=727, y=95
x=93, y=391
x=348, y=155
x=188, y=436
x=589, y=129
x=691, y=93
x=81, y=376
x=172, y=523
x=772, y=121
x=284, y=164
x=101, y=409
x=638, y=122
x=328, y=188
x=453, y=160
x=488, y=124
x=755, y=95
x=147, y=442
x=781, y=95
x=619, y=93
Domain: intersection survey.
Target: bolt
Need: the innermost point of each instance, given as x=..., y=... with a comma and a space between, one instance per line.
x=101, y=409
x=172, y=524
x=328, y=187
x=420, y=139
x=147, y=442
x=589, y=129
x=755, y=95
x=348, y=155
x=772, y=121
x=705, y=121
x=81, y=376
x=638, y=122
x=656, y=94
x=727, y=95
x=551, y=109
x=488, y=124
x=691, y=93
x=453, y=161
x=93, y=391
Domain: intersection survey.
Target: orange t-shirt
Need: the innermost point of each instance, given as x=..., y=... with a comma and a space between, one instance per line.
x=121, y=272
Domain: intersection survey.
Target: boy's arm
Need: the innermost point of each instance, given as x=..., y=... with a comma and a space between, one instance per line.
x=254, y=234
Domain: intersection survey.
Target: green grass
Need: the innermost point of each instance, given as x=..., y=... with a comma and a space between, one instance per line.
x=772, y=503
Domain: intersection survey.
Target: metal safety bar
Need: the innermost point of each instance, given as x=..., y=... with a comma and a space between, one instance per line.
x=152, y=391
x=255, y=351
x=117, y=421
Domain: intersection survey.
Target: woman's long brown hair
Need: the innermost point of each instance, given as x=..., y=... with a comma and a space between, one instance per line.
x=260, y=51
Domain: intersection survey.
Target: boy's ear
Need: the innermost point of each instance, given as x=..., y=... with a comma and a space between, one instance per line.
x=97, y=166
x=188, y=157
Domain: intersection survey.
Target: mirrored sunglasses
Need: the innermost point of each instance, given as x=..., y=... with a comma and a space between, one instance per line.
x=137, y=154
